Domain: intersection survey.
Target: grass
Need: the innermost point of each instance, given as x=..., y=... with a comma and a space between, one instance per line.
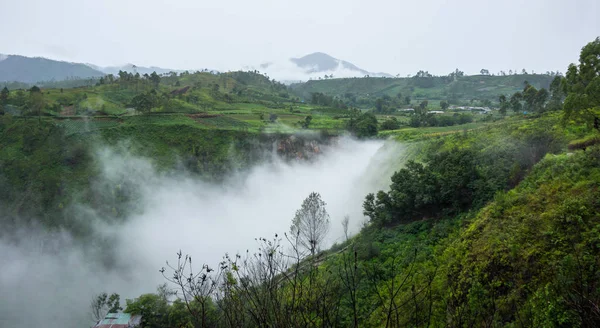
x=407, y=134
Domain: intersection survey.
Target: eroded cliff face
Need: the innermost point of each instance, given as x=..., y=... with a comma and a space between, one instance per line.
x=298, y=147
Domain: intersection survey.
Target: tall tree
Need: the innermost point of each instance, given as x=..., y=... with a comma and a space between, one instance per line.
x=444, y=104
x=540, y=99
x=4, y=96
x=311, y=223
x=582, y=85
x=515, y=102
x=529, y=96
x=503, y=104
x=36, y=101
x=155, y=79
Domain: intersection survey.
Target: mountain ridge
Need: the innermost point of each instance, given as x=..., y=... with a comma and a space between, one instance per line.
x=35, y=69
x=315, y=65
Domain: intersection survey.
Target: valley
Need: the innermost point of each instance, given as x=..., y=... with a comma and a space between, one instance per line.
x=425, y=201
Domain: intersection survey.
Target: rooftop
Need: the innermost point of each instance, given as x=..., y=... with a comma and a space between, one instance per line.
x=119, y=320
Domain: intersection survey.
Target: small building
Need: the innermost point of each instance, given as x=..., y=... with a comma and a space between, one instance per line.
x=120, y=320
x=436, y=112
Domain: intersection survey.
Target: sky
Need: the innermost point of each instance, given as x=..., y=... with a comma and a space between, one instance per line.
x=393, y=36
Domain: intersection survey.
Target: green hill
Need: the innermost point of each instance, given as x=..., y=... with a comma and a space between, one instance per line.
x=458, y=90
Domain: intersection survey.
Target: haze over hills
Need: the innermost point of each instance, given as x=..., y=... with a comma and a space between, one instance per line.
x=314, y=66
x=132, y=68
x=318, y=65
x=15, y=68
x=31, y=70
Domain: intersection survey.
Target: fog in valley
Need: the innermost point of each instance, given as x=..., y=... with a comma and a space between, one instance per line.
x=56, y=276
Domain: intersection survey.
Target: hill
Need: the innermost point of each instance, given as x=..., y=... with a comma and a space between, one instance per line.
x=132, y=68
x=32, y=70
x=362, y=92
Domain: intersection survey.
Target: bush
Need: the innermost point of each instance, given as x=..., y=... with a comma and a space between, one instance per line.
x=390, y=124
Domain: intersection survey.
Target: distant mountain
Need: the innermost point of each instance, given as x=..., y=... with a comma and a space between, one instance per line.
x=36, y=69
x=131, y=68
x=314, y=66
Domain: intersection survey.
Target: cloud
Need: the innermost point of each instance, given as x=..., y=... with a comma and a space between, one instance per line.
x=286, y=70
x=51, y=278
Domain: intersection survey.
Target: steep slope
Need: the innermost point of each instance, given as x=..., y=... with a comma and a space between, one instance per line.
x=31, y=70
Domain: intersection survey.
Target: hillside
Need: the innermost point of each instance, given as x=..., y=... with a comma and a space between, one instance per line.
x=31, y=70
x=490, y=219
x=458, y=90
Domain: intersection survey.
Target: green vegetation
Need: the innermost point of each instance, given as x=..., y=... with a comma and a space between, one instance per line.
x=492, y=225
x=494, y=220
x=395, y=93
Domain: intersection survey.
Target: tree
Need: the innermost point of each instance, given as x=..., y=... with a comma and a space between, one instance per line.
x=311, y=223
x=529, y=95
x=144, y=102
x=345, y=225
x=153, y=308
x=540, y=99
x=390, y=124
x=557, y=93
x=103, y=304
x=366, y=125
x=515, y=102
x=155, y=79
x=306, y=122
x=4, y=96
x=484, y=71
x=503, y=104
x=36, y=101
x=197, y=287
x=272, y=117
x=407, y=100
x=444, y=104
x=422, y=109
x=379, y=105
x=582, y=85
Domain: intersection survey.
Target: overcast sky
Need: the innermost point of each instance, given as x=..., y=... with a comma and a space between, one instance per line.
x=393, y=36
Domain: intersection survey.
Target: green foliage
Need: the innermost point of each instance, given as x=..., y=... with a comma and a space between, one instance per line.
x=363, y=125
x=153, y=308
x=459, y=174
x=4, y=94
x=424, y=119
x=417, y=192
x=533, y=252
x=36, y=161
x=584, y=143
x=103, y=304
x=390, y=124
x=456, y=89
x=321, y=99
x=582, y=86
